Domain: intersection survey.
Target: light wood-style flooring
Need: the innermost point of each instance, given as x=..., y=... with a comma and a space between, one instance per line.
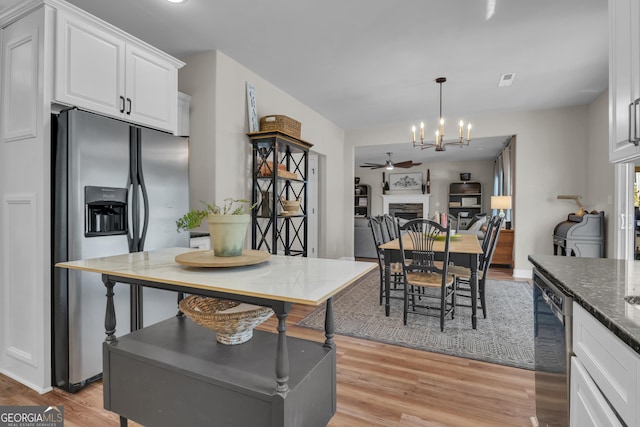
x=378, y=385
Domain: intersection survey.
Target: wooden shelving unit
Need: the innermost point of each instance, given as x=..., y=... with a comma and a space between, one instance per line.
x=465, y=201
x=280, y=170
x=362, y=201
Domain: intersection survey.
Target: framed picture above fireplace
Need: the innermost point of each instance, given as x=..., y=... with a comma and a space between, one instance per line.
x=405, y=181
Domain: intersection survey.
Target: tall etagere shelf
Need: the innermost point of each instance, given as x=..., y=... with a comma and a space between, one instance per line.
x=362, y=201
x=465, y=201
x=279, y=168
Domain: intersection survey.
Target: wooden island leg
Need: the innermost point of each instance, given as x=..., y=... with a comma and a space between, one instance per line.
x=282, y=352
x=110, y=315
x=329, y=327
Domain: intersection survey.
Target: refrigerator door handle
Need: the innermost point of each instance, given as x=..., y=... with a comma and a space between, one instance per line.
x=145, y=203
x=134, y=205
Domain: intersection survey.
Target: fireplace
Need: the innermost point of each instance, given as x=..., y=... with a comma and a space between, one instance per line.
x=406, y=206
x=406, y=210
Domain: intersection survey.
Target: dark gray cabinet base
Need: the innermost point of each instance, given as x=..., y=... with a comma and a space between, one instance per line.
x=175, y=373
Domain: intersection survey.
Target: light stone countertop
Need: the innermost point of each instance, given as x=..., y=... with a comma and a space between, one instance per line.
x=309, y=281
x=599, y=285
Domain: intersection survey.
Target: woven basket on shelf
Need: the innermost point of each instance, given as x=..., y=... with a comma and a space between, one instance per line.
x=233, y=321
x=281, y=123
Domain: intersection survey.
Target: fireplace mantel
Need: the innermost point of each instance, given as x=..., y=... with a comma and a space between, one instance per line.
x=406, y=198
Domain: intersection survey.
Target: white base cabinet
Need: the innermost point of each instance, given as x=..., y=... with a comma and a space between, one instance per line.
x=589, y=408
x=607, y=370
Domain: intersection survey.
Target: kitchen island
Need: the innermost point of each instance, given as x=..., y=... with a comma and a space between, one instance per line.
x=174, y=373
x=603, y=337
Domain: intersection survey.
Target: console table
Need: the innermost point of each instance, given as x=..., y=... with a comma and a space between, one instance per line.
x=175, y=373
x=503, y=254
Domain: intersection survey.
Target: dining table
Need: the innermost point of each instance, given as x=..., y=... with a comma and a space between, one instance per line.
x=464, y=250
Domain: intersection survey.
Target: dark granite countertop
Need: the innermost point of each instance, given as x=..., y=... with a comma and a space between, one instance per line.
x=599, y=285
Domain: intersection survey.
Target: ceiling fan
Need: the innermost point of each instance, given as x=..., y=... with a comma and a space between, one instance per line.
x=389, y=165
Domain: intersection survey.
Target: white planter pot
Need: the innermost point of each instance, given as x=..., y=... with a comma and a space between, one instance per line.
x=227, y=233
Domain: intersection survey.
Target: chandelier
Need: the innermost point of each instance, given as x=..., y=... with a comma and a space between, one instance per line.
x=439, y=143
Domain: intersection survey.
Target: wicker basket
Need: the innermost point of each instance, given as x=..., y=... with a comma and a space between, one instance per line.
x=233, y=321
x=280, y=123
x=291, y=206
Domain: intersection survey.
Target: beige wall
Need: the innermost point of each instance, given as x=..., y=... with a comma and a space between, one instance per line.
x=551, y=158
x=600, y=173
x=221, y=154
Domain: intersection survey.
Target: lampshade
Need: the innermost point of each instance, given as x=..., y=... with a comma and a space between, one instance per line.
x=500, y=202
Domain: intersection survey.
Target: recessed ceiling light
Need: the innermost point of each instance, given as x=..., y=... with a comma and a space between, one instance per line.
x=506, y=79
x=176, y=1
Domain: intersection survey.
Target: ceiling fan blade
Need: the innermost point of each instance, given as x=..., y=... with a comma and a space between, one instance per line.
x=372, y=166
x=406, y=164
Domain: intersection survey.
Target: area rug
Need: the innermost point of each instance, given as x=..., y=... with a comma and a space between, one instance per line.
x=505, y=337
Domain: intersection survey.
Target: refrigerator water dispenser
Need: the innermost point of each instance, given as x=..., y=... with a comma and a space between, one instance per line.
x=105, y=211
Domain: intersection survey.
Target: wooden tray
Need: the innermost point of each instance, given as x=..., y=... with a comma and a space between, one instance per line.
x=207, y=259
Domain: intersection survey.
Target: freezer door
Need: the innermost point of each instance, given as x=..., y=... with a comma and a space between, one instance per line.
x=165, y=171
x=98, y=155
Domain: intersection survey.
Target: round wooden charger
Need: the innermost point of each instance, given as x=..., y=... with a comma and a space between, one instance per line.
x=207, y=259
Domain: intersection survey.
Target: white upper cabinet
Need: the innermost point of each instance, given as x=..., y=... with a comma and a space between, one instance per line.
x=100, y=69
x=152, y=89
x=624, y=80
x=89, y=66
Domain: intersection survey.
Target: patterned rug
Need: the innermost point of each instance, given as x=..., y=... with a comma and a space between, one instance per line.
x=505, y=337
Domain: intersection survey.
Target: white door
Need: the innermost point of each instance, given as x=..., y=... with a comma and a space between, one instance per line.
x=624, y=215
x=312, y=207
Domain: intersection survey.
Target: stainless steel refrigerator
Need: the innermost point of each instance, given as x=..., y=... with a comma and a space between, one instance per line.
x=117, y=188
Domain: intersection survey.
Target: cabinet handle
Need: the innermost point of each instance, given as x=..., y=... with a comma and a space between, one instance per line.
x=129, y=104
x=635, y=122
x=122, y=110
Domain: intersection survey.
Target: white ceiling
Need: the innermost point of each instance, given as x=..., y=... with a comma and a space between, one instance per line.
x=364, y=63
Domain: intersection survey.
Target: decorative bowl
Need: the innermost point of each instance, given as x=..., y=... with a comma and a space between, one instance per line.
x=232, y=321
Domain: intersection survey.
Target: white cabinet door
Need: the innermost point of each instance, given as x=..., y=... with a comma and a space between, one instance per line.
x=611, y=363
x=89, y=66
x=152, y=88
x=624, y=79
x=589, y=408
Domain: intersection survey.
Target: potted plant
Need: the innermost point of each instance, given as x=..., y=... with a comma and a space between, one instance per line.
x=227, y=225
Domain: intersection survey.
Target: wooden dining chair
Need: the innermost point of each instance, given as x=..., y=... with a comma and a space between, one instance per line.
x=429, y=289
x=463, y=274
x=391, y=226
x=377, y=228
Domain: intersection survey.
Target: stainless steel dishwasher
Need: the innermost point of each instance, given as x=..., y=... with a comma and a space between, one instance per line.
x=552, y=311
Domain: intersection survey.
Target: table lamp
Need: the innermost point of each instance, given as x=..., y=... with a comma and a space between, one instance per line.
x=502, y=203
